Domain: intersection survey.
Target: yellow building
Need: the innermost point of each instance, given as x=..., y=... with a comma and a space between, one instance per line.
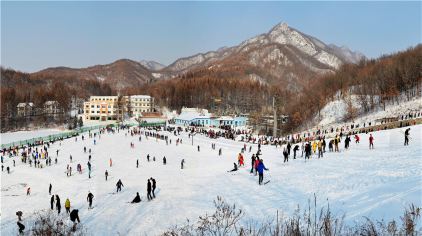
x=101, y=108
x=105, y=108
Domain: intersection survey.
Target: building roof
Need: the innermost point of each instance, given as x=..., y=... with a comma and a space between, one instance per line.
x=24, y=104
x=191, y=116
x=225, y=118
x=50, y=102
x=139, y=96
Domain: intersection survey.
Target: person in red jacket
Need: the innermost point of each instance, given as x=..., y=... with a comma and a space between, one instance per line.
x=371, y=142
x=356, y=138
x=256, y=165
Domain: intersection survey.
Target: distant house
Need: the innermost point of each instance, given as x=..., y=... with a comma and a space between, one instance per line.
x=230, y=121
x=201, y=117
x=193, y=116
x=25, y=109
x=52, y=108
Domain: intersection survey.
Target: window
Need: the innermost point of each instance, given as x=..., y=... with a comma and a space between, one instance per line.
x=92, y=106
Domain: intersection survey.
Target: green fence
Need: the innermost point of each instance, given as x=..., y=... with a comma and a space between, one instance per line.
x=72, y=133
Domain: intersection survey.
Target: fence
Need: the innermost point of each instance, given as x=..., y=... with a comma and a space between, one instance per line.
x=72, y=133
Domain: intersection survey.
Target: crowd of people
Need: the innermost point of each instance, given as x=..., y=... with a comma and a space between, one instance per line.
x=39, y=156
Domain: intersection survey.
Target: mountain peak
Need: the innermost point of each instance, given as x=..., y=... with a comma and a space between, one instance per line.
x=152, y=65
x=282, y=26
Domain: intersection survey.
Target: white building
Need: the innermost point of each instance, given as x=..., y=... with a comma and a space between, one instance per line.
x=136, y=105
x=25, y=109
x=105, y=108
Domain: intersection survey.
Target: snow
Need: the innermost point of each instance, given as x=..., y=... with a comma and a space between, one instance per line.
x=101, y=78
x=22, y=135
x=334, y=112
x=376, y=183
x=157, y=75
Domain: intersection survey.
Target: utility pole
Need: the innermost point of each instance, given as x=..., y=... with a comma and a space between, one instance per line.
x=275, y=119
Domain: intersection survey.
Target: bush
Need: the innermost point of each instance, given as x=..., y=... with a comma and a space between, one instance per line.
x=49, y=224
x=226, y=220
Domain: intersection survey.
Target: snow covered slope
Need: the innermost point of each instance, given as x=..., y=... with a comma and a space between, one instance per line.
x=334, y=112
x=22, y=135
x=360, y=182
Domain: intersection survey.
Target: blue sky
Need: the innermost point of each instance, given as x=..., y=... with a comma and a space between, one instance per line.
x=36, y=35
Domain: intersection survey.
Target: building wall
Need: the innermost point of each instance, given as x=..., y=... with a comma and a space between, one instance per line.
x=107, y=107
x=101, y=108
x=139, y=104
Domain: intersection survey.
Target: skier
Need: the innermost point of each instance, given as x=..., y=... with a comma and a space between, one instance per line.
x=8, y=170
x=137, y=163
x=67, y=205
x=182, y=163
x=295, y=149
x=234, y=167
x=149, y=190
x=58, y=205
x=137, y=198
x=19, y=223
x=406, y=137
x=154, y=186
x=70, y=158
x=111, y=162
x=198, y=148
x=219, y=152
x=253, y=158
x=89, y=199
x=261, y=169
x=347, y=142
x=356, y=138
x=164, y=160
x=74, y=216
x=106, y=174
x=52, y=202
x=286, y=155
x=89, y=169
x=28, y=191
x=119, y=185
x=148, y=157
x=371, y=142
x=49, y=189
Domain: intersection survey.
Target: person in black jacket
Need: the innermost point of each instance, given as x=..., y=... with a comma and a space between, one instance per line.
x=74, y=216
x=234, y=168
x=89, y=199
x=137, y=198
x=149, y=190
x=58, y=205
x=406, y=136
x=154, y=186
x=19, y=223
x=295, y=149
x=119, y=185
x=286, y=155
x=52, y=202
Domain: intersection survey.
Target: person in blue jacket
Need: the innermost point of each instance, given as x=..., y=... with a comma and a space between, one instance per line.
x=261, y=169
